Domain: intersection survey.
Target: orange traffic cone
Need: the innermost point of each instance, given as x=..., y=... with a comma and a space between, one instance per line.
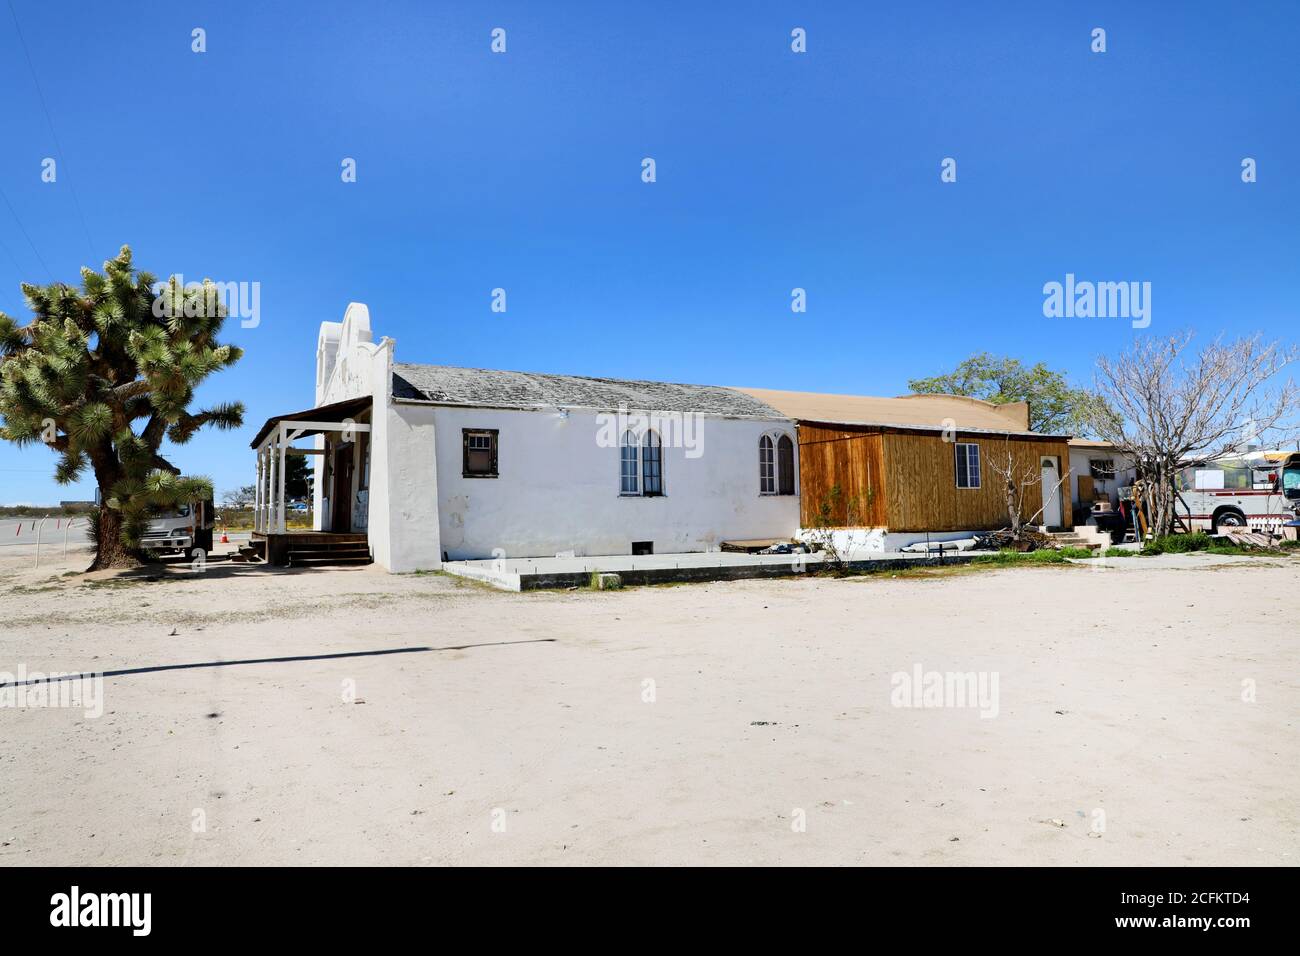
x=224, y=539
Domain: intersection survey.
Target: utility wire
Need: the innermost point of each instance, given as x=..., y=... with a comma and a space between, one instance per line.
x=17, y=268
x=23, y=229
x=90, y=245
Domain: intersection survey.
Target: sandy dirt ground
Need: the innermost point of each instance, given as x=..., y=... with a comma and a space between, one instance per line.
x=352, y=717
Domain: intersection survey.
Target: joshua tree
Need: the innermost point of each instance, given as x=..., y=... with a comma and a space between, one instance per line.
x=102, y=374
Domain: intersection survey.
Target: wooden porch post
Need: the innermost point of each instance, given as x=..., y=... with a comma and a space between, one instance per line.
x=264, y=504
x=257, y=495
x=266, y=488
x=283, y=443
x=271, y=518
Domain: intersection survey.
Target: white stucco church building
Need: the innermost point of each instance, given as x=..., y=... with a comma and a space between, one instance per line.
x=416, y=465
x=427, y=463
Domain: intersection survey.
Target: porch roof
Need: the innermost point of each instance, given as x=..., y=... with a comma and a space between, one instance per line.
x=336, y=412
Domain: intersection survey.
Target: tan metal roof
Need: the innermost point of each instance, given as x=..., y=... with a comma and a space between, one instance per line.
x=919, y=411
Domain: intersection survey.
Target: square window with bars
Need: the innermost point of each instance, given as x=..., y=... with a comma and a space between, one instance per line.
x=968, y=464
x=480, y=452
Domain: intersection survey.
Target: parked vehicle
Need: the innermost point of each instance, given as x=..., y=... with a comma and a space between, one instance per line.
x=181, y=529
x=1259, y=490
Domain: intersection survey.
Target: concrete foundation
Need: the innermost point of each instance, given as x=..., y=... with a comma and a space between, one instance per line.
x=527, y=574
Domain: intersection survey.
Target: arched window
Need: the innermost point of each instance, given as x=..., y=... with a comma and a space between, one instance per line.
x=652, y=468
x=766, y=467
x=629, y=472
x=785, y=465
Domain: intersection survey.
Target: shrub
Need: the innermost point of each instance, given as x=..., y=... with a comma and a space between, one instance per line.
x=1178, y=543
x=1008, y=557
x=1075, y=552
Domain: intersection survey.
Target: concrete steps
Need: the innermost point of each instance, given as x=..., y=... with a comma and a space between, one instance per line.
x=1088, y=538
x=329, y=553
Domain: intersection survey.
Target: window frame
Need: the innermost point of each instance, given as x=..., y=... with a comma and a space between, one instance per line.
x=767, y=483
x=629, y=441
x=658, y=460
x=492, y=435
x=363, y=480
x=769, y=465
x=961, y=455
x=782, y=487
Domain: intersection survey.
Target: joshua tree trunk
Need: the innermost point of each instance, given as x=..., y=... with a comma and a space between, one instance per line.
x=111, y=552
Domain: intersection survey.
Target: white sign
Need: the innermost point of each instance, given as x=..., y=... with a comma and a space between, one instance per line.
x=1209, y=480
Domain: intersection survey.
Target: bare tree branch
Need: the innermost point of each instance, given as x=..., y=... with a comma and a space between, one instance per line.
x=1171, y=406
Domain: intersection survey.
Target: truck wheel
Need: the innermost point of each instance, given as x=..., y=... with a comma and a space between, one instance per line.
x=1229, y=519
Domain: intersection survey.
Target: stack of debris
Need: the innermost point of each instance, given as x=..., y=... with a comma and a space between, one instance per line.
x=930, y=547
x=765, y=546
x=1245, y=538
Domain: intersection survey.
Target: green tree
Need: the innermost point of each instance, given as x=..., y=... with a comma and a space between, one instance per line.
x=1054, y=407
x=297, y=477
x=102, y=374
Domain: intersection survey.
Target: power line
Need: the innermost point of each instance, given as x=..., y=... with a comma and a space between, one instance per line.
x=90, y=245
x=23, y=229
x=17, y=268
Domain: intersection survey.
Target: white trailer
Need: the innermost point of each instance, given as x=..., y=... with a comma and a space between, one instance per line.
x=1258, y=490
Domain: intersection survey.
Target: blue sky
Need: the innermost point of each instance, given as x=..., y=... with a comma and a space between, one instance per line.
x=775, y=170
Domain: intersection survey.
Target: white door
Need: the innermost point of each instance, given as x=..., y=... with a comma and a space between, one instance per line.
x=1051, y=493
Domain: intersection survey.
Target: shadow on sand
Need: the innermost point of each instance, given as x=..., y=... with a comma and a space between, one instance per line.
x=271, y=660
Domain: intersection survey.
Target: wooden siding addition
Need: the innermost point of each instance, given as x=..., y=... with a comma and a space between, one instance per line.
x=921, y=485
x=851, y=459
